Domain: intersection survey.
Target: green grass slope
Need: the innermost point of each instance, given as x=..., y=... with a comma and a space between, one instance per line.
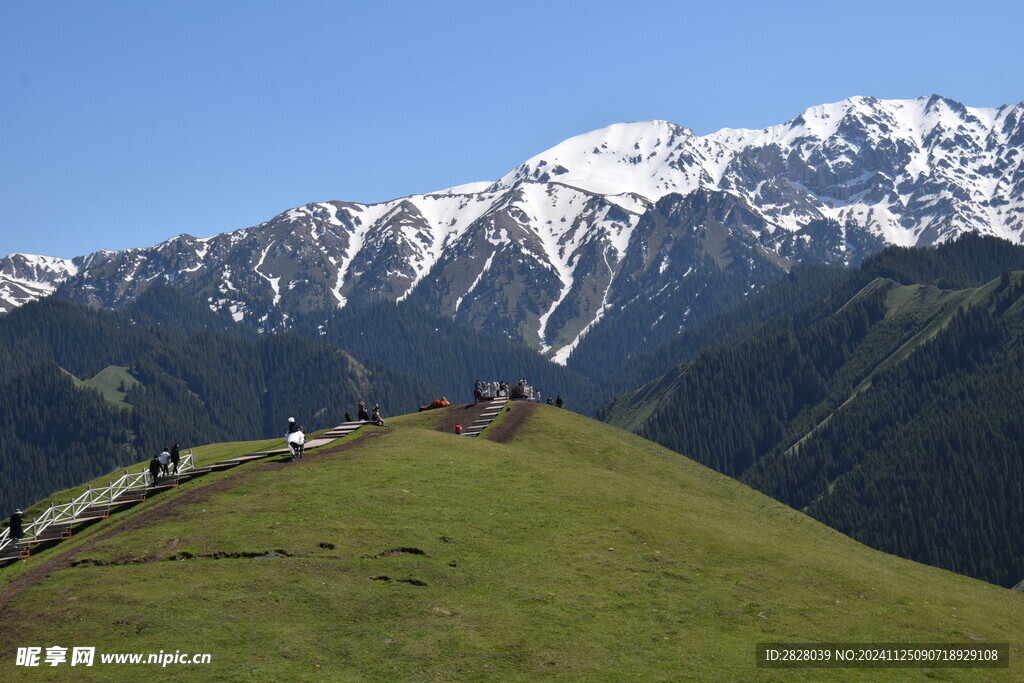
x=109, y=381
x=574, y=550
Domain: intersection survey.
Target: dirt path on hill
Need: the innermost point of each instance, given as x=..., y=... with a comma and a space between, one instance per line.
x=465, y=415
x=511, y=419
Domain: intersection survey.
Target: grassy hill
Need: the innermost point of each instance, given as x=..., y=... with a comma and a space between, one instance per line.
x=572, y=550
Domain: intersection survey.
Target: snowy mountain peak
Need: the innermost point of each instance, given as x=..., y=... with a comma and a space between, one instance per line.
x=632, y=216
x=25, y=277
x=638, y=158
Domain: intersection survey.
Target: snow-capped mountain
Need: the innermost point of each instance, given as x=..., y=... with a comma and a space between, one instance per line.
x=647, y=223
x=26, y=277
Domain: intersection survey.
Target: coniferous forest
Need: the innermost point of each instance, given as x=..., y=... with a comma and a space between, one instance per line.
x=890, y=410
x=195, y=379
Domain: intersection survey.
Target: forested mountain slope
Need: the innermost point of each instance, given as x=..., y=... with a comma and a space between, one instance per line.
x=894, y=416
x=969, y=261
x=188, y=384
x=192, y=376
x=406, y=338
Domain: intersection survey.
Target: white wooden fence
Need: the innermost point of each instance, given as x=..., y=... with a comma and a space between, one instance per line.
x=93, y=497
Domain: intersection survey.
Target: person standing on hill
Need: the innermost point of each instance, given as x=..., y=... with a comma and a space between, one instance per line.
x=17, y=530
x=378, y=417
x=175, y=457
x=363, y=415
x=165, y=461
x=559, y=402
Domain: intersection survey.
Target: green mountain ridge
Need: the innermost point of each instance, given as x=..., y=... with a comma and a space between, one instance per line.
x=573, y=550
x=822, y=412
x=807, y=291
x=922, y=311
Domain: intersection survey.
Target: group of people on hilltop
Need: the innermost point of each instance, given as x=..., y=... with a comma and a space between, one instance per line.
x=487, y=390
x=165, y=463
x=482, y=390
x=363, y=416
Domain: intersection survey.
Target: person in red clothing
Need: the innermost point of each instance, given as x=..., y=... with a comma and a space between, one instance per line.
x=458, y=429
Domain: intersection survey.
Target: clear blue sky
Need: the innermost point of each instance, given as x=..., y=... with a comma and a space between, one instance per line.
x=124, y=123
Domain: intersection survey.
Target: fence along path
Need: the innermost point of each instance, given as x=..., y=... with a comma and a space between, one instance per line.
x=57, y=522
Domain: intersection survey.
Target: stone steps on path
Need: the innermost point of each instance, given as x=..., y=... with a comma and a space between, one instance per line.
x=486, y=417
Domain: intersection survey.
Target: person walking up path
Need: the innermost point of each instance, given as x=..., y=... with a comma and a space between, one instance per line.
x=154, y=469
x=17, y=530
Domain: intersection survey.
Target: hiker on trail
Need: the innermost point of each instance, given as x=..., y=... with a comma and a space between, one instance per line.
x=154, y=468
x=363, y=415
x=559, y=402
x=175, y=457
x=16, y=528
x=295, y=438
x=165, y=461
x=378, y=418
x=296, y=441
x=550, y=402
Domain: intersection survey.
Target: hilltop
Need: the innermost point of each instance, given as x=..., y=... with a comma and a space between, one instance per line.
x=571, y=549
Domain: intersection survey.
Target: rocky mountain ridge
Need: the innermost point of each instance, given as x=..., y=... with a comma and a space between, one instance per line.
x=630, y=225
